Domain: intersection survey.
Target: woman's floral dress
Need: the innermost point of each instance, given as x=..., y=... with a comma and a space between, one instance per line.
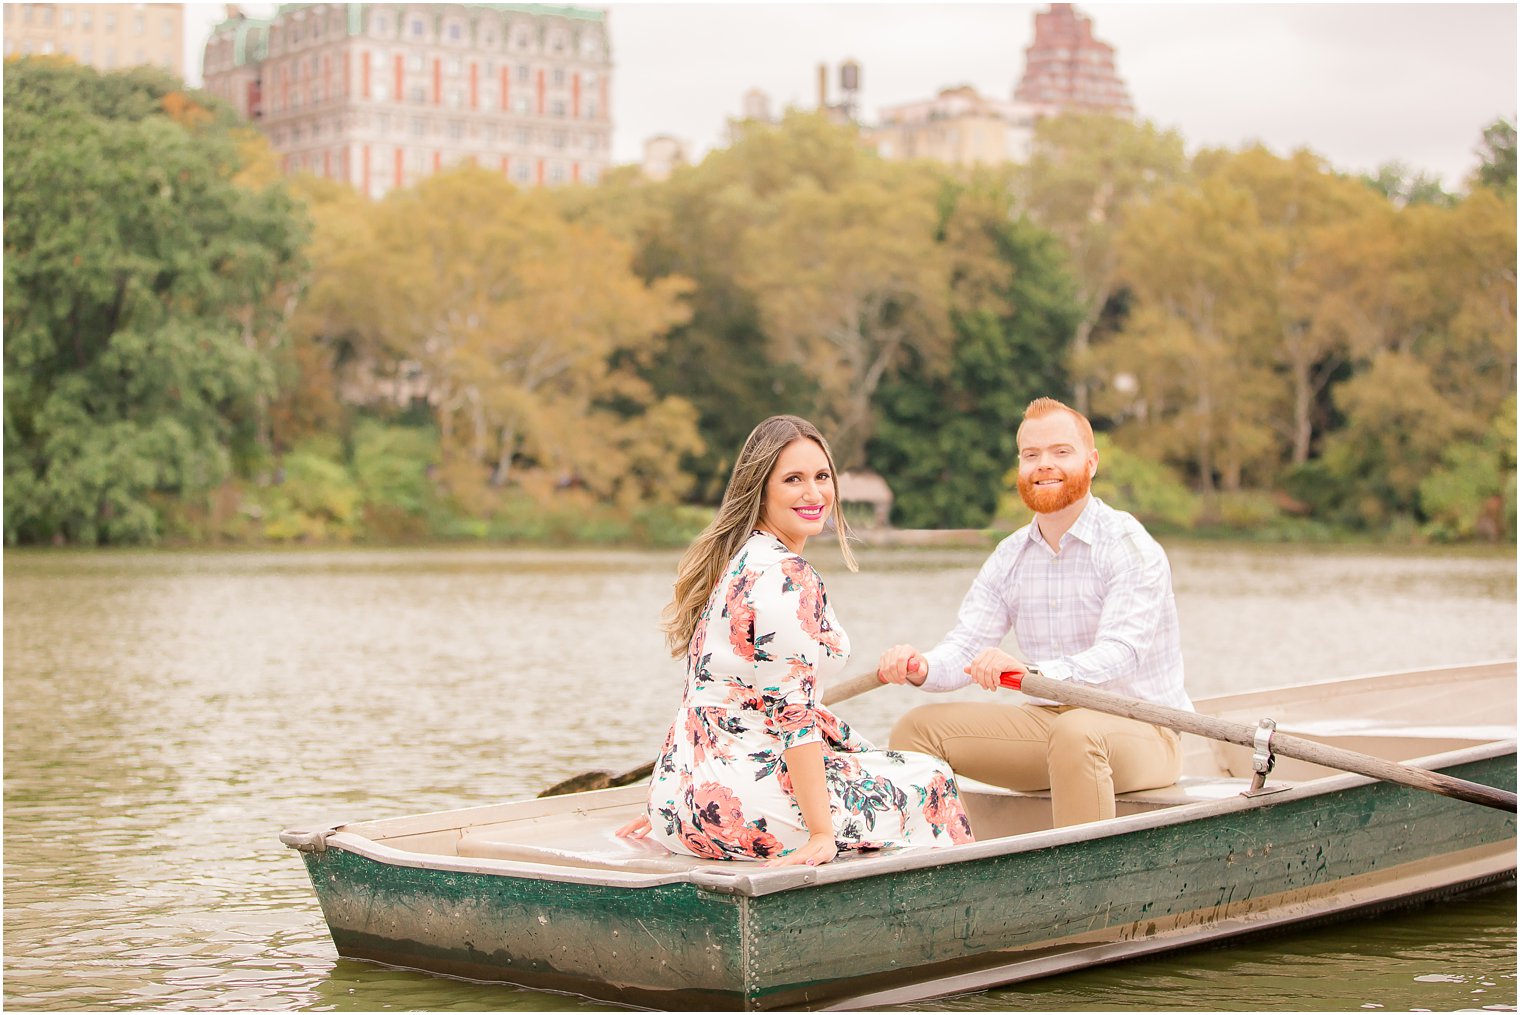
x=764, y=643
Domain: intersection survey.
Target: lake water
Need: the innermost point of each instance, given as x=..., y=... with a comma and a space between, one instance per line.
x=168, y=713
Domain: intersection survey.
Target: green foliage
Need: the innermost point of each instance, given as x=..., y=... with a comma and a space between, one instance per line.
x=133, y=264
x=1472, y=492
x=1146, y=488
x=1497, y=152
x=391, y=465
x=944, y=440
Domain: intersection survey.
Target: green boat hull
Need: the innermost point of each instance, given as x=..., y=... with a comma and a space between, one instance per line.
x=1044, y=903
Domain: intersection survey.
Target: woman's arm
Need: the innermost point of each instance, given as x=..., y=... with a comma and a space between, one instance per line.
x=804, y=763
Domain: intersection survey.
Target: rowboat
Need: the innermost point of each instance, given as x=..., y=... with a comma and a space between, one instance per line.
x=543, y=894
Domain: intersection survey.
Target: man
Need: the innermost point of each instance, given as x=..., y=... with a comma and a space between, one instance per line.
x=1088, y=593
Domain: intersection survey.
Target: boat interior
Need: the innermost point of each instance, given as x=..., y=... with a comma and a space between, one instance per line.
x=1399, y=717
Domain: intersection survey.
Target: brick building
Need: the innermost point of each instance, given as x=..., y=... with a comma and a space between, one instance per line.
x=384, y=95
x=104, y=36
x=1066, y=67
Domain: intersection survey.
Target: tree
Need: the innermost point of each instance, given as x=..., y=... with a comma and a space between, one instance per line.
x=133, y=257
x=847, y=283
x=1085, y=174
x=1194, y=381
x=945, y=439
x=1497, y=152
x=524, y=330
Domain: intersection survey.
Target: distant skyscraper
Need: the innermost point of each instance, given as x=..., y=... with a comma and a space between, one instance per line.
x=384, y=95
x=103, y=36
x=1067, y=68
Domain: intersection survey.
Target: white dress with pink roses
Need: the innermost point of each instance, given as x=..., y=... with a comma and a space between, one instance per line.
x=766, y=641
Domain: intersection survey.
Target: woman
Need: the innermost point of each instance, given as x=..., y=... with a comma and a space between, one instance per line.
x=754, y=767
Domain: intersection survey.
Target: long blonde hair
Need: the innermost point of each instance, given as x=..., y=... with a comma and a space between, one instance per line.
x=702, y=564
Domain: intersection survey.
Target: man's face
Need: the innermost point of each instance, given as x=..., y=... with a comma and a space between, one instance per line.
x=1056, y=466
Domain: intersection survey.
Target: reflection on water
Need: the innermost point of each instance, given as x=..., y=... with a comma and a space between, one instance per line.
x=167, y=713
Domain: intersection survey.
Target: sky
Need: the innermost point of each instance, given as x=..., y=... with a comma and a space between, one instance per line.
x=1361, y=84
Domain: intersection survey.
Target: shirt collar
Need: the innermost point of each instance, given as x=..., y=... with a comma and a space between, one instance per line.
x=1084, y=528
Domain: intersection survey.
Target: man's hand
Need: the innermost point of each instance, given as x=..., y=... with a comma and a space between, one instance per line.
x=992, y=663
x=902, y=664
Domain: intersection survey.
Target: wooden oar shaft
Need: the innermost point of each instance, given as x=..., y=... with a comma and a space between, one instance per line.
x=1288, y=746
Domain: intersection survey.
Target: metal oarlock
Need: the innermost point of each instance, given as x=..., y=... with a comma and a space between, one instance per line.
x=1263, y=761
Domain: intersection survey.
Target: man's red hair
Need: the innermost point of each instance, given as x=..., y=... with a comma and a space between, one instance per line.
x=1042, y=407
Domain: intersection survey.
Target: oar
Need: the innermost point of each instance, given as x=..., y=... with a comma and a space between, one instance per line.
x=1040, y=686
x=841, y=691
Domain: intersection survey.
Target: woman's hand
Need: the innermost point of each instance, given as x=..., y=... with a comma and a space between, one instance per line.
x=990, y=664
x=637, y=828
x=817, y=850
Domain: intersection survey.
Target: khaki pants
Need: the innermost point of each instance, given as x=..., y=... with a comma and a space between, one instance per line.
x=1083, y=757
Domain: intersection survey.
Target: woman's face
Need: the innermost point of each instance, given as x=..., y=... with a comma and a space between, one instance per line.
x=799, y=494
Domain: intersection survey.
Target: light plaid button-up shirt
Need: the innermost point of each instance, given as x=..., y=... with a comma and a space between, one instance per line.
x=1097, y=610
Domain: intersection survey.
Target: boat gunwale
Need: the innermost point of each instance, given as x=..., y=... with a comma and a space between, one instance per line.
x=759, y=881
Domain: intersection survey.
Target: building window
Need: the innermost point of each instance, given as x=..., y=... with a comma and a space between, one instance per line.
x=591, y=109
x=167, y=29
x=66, y=18
x=110, y=22
x=557, y=139
x=419, y=93
x=557, y=173
x=522, y=137
x=520, y=105
x=559, y=77
x=455, y=33
x=47, y=16
x=415, y=62
x=455, y=67
x=419, y=126
x=139, y=24
x=456, y=98
x=456, y=130
x=378, y=25
x=418, y=28
x=385, y=123
x=523, y=73
x=521, y=173
x=557, y=107
x=86, y=18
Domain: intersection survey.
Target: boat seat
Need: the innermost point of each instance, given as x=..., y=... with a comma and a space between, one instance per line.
x=603, y=852
x=1192, y=789
x=609, y=852
x=1189, y=789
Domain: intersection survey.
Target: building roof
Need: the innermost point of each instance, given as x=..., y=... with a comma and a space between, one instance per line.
x=864, y=487
x=542, y=10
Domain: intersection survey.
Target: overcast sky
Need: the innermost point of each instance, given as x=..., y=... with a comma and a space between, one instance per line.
x=1361, y=84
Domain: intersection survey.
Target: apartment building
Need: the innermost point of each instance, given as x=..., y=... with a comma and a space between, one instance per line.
x=1067, y=67
x=958, y=127
x=384, y=95
x=103, y=36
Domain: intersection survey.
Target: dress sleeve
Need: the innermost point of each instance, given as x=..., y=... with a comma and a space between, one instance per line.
x=792, y=634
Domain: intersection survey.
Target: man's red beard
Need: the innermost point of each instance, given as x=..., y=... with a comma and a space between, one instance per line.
x=1048, y=499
